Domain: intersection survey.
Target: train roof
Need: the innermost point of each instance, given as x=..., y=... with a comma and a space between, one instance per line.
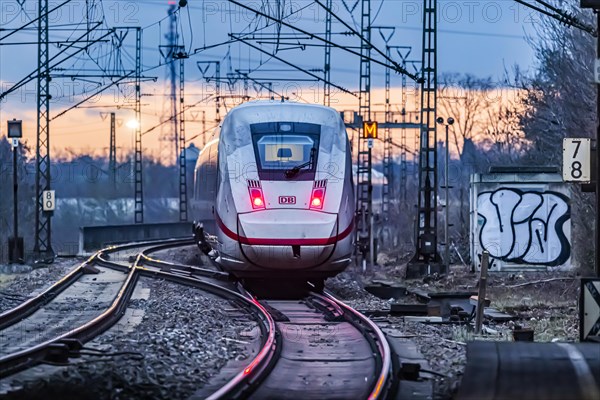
x=279, y=103
x=272, y=110
x=235, y=129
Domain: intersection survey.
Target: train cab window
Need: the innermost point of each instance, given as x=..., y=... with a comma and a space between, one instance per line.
x=206, y=174
x=286, y=150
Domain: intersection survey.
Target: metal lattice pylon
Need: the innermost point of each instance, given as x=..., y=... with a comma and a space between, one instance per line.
x=169, y=134
x=183, y=211
x=387, y=144
x=327, y=65
x=403, y=142
x=365, y=240
x=112, y=152
x=427, y=259
x=43, y=232
x=138, y=175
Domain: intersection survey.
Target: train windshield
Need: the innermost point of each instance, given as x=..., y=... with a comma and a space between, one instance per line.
x=286, y=150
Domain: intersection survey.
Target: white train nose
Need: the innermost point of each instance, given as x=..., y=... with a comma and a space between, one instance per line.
x=287, y=238
x=287, y=227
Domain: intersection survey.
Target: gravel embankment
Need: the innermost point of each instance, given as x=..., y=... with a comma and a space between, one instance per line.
x=445, y=355
x=19, y=282
x=543, y=301
x=183, y=339
x=188, y=255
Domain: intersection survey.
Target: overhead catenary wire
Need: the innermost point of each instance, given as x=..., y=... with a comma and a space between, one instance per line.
x=33, y=75
x=398, y=68
x=34, y=20
x=176, y=115
x=295, y=66
x=560, y=15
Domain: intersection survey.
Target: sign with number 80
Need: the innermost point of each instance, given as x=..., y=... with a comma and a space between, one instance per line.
x=576, y=160
x=49, y=200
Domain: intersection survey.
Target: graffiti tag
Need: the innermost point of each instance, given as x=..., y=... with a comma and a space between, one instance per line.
x=524, y=227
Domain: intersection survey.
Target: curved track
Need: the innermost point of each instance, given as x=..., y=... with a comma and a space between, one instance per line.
x=313, y=348
x=45, y=328
x=323, y=349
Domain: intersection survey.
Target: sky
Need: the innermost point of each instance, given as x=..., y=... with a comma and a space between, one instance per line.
x=483, y=38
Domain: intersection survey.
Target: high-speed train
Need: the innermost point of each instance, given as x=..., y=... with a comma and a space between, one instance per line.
x=274, y=190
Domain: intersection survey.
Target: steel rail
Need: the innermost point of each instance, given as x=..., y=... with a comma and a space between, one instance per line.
x=28, y=307
x=167, y=266
x=26, y=358
x=189, y=270
x=383, y=381
x=242, y=385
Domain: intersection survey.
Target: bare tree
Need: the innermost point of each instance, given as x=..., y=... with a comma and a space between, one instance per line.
x=502, y=133
x=560, y=101
x=464, y=98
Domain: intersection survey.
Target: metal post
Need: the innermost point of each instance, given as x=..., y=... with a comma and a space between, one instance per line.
x=112, y=153
x=485, y=259
x=218, y=92
x=447, y=208
x=449, y=121
x=327, y=65
x=203, y=129
x=139, y=183
x=15, y=204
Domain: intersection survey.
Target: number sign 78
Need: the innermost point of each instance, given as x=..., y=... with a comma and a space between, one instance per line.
x=576, y=160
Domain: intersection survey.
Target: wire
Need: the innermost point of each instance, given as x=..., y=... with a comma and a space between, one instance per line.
x=297, y=67
x=33, y=20
x=191, y=31
x=560, y=16
x=377, y=13
x=161, y=20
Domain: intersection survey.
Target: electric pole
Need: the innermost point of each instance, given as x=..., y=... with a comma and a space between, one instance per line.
x=426, y=259
x=43, y=228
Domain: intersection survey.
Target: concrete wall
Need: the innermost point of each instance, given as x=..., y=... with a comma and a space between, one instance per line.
x=92, y=238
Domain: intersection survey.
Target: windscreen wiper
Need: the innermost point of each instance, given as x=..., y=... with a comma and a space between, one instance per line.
x=290, y=173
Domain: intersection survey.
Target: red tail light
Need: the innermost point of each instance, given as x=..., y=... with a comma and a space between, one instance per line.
x=256, y=198
x=317, y=198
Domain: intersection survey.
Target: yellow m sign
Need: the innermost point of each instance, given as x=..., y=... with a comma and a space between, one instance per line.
x=370, y=130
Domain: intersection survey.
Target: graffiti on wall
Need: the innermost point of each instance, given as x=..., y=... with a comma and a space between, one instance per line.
x=524, y=227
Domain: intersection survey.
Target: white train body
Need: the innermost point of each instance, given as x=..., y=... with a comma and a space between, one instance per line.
x=271, y=219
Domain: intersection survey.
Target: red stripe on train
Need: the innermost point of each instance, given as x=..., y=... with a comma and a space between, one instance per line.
x=283, y=242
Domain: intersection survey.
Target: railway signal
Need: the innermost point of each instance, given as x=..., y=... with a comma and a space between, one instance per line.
x=370, y=130
x=15, y=244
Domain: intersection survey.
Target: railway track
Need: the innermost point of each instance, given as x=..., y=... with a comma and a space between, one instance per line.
x=322, y=349
x=45, y=328
x=315, y=347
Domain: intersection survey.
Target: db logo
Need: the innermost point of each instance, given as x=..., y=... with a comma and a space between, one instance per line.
x=287, y=199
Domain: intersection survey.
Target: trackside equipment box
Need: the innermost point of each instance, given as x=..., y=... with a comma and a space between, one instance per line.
x=522, y=216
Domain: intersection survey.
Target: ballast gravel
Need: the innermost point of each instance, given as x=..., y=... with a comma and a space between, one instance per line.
x=20, y=282
x=446, y=356
x=183, y=337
